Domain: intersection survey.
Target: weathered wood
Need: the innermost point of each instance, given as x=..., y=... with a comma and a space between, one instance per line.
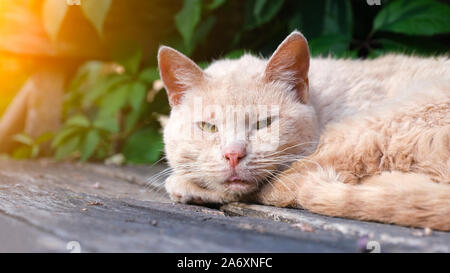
x=44, y=205
x=396, y=237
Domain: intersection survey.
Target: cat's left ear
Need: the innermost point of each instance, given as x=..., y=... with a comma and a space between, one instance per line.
x=290, y=63
x=178, y=73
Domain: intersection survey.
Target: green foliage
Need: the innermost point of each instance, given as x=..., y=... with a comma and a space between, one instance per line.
x=419, y=17
x=341, y=28
x=108, y=113
x=144, y=146
x=29, y=147
x=187, y=19
x=260, y=12
x=54, y=12
x=96, y=11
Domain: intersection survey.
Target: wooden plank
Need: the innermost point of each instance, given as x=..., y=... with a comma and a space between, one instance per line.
x=395, y=238
x=106, y=220
x=18, y=236
x=108, y=209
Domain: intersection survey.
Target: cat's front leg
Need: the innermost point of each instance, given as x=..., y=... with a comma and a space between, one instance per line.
x=304, y=183
x=182, y=190
x=281, y=192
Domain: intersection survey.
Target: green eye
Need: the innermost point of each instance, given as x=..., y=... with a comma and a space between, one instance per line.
x=207, y=127
x=263, y=123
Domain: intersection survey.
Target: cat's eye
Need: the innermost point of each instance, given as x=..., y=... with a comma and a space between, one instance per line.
x=260, y=124
x=207, y=127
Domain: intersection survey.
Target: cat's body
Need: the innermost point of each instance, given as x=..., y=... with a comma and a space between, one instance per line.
x=371, y=138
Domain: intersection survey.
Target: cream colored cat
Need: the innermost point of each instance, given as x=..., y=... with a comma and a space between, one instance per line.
x=363, y=139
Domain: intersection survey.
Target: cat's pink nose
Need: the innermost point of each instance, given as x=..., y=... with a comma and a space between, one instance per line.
x=233, y=154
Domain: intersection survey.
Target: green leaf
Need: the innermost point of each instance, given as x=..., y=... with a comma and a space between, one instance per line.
x=265, y=10
x=328, y=24
x=53, y=13
x=419, y=17
x=22, y=152
x=90, y=143
x=67, y=148
x=114, y=101
x=202, y=31
x=215, y=4
x=102, y=87
x=259, y=12
x=78, y=121
x=187, y=19
x=203, y=65
x=108, y=124
x=88, y=73
x=338, y=19
x=131, y=119
x=44, y=138
x=322, y=18
x=410, y=45
x=63, y=135
x=23, y=139
x=144, y=146
x=96, y=11
x=329, y=44
x=129, y=55
x=149, y=75
x=34, y=151
x=235, y=54
x=137, y=95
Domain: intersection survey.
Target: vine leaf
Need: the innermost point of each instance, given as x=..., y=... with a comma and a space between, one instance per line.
x=96, y=11
x=420, y=17
x=53, y=13
x=187, y=19
x=90, y=143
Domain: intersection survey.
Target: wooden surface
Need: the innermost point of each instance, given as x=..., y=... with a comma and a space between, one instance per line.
x=45, y=205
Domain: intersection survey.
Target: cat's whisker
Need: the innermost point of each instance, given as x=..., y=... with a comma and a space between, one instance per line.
x=283, y=184
x=155, y=178
x=291, y=147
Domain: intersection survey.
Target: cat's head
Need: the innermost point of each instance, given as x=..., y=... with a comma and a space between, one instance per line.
x=234, y=124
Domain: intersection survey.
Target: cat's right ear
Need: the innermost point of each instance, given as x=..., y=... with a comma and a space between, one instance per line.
x=178, y=73
x=290, y=63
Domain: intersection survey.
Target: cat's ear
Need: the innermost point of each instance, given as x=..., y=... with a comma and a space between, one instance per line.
x=290, y=63
x=178, y=73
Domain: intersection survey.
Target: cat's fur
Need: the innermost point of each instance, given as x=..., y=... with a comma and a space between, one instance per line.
x=371, y=137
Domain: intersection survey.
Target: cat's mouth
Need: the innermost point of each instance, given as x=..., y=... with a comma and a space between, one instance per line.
x=236, y=184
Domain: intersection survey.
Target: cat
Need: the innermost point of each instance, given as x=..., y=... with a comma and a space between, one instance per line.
x=361, y=139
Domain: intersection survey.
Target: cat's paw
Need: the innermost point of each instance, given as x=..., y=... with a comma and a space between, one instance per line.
x=184, y=191
x=280, y=193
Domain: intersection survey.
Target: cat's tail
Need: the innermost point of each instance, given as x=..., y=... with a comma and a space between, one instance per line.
x=407, y=199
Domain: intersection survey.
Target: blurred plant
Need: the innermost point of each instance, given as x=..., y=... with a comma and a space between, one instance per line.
x=54, y=12
x=113, y=109
x=191, y=26
x=351, y=28
x=29, y=147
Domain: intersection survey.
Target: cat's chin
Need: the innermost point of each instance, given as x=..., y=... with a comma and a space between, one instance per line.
x=239, y=186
